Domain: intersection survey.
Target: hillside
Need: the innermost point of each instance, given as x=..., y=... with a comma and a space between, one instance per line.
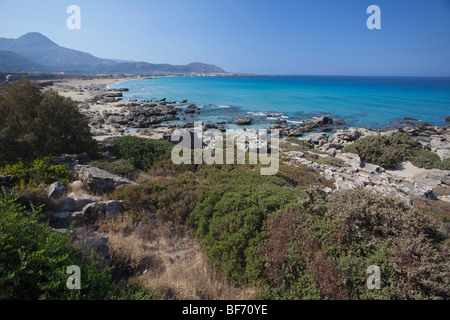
x=40, y=50
x=15, y=63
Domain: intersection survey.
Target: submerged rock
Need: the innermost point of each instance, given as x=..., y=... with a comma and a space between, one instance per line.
x=244, y=122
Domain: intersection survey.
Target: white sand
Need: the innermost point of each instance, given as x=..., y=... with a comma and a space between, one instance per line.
x=408, y=170
x=77, y=89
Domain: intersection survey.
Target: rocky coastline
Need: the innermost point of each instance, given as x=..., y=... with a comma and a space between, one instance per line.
x=110, y=117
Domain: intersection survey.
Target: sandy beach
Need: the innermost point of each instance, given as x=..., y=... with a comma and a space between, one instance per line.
x=84, y=88
x=86, y=91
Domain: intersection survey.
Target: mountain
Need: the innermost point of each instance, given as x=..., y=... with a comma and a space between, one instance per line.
x=39, y=49
x=142, y=68
x=11, y=62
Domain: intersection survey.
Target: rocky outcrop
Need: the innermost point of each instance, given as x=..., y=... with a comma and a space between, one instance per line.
x=99, y=180
x=99, y=244
x=244, y=122
x=113, y=95
x=102, y=209
x=56, y=190
x=5, y=180
x=323, y=123
x=75, y=202
x=354, y=173
x=72, y=160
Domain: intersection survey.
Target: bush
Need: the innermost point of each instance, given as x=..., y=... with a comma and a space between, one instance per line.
x=38, y=173
x=429, y=160
x=36, y=124
x=142, y=153
x=387, y=151
x=302, y=176
x=120, y=167
x=312, y=256
x=34, y=261
x=419, y=247
x=230, y=218
x=322, y=248
x=168, y=199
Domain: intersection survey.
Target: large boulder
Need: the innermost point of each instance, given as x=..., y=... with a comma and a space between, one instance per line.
x=72, y=160
x=323, y=120
x=99, y=244
x=350, y=159
x=5, y=180
x=56, y=190
x=244, y=122
x=316, y=139
x=113, y=95
x=93, y=211
x=100, y=180
x=76, y=202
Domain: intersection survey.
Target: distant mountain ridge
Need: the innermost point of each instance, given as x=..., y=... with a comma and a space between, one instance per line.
x=35, y=52
x=15, y=63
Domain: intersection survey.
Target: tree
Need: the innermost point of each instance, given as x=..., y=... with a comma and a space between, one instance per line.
x=36, y=124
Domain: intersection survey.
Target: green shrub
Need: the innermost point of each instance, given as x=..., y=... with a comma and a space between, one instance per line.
x=429, y=160
x=418, y=248
x=312, y=256
x=35, y=124
x=35, y=174
x=168, y=199
x=34, y=261
x=142, y=153
x=230, y=218
x=322, y=248
x=120, y=167
x=302, y=176
x=385, y=151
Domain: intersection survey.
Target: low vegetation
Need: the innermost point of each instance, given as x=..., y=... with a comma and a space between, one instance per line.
x=37, y=173
x=121, y=167
x=287, y=239
x=34, y=261
x=388, y=151
x=141, y=153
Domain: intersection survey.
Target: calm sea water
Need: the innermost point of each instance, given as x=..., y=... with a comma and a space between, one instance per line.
x=360, y=101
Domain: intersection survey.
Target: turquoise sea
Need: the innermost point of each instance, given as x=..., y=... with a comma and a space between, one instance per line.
x=360, y=101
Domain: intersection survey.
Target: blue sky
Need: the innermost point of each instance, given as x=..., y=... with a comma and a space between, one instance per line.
x=323, y=37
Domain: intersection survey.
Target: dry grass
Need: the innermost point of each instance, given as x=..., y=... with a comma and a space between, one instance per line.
x=78, y=187
x=169, y=260
x=142, y=177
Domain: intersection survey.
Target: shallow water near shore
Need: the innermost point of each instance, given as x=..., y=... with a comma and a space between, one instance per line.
x=372, y=102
